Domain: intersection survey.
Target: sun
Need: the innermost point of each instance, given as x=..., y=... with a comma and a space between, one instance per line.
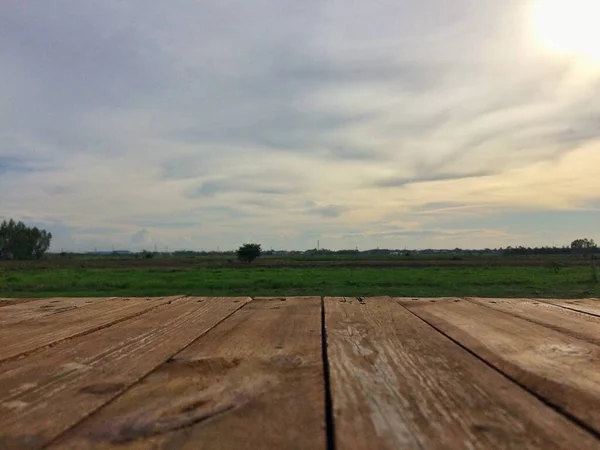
x=569, y=26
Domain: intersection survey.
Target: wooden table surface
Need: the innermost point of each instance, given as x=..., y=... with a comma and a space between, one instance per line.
x=299, y=373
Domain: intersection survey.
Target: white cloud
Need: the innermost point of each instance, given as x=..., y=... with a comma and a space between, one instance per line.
x=141, y=238
x=205, y=123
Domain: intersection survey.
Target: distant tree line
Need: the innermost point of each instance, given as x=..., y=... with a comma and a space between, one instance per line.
x=201, y=253
x=578, y=246
x=527, y=251
x=20, y=242
x=581, y=246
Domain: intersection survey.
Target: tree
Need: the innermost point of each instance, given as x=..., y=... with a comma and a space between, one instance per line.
x=18, y=241
x=580, y=244
x=248, y=252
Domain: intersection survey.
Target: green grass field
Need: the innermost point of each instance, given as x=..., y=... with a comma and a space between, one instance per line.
x=569, y=282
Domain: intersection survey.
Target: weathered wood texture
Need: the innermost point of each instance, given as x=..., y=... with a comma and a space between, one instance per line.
x=37, y=333
x=20, y=312
x=60, y=386
x=254, y=382
x=586, y=305
x=16, y=301
x=397, y=383
x=220, y=373
x=568, y=321
x=560, y=368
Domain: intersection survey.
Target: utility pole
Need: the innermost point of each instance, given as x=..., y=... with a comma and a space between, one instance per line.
x=318, y=245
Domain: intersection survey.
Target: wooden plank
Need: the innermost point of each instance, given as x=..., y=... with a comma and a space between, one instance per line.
x=24, y=337
x=408, y=300
x=255, y=382
x=568, y=321
x=46, y=393
x=15, y=301
x=559, y=368
x=398, y=383
x=586, y=305
x=23, y=311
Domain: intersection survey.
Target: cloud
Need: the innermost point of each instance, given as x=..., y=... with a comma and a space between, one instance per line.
x=10, y=164
x=399, y=182
x=202, y=124
x=247, y=185
x=329, y=211
x=59, y=190
x=141, y=237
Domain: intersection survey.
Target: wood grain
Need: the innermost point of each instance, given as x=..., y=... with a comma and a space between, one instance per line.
x=46, y=393
x=559, y=368
x=586, y=305
x=398, y=383
x=568, y=321
x=253, y=382
x=5, y=301
x=24, y=337
x=20, y=312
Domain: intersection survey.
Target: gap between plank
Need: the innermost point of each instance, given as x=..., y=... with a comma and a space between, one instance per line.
x=87, y=331
x=556, y=408
x=564, y=306
x=142, y=378
x=329, y=418
x=527, y=319
x=532, y=320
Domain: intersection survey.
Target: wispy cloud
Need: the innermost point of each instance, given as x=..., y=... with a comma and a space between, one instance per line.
x=199, y=124
x=329, y=211
x=399, y=182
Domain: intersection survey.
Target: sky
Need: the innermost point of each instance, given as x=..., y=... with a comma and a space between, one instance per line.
x=200, y=125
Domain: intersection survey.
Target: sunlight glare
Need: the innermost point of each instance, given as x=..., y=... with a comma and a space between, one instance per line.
x=569, y=26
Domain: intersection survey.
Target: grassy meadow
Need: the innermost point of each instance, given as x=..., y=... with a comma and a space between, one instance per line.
x=486, y=281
